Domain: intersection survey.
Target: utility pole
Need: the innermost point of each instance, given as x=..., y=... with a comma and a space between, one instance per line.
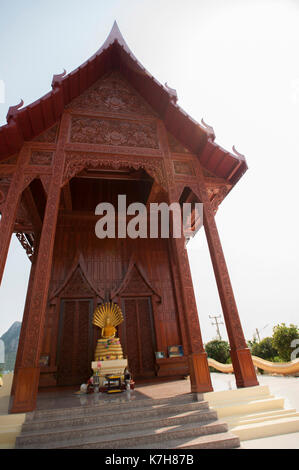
x=217, y=323
x=258, y=335
x=258, y=332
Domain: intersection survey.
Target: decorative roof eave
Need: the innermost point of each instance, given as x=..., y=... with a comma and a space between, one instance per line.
x=26, y=123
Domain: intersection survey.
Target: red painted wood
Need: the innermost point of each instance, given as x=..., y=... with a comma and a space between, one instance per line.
x=74, y=348
x=110, y=140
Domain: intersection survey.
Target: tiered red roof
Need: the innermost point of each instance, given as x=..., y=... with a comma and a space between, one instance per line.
x=26, y=123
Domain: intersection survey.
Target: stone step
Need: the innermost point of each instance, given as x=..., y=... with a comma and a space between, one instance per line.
x=149, y=437
x=140, y=413
x=225, y=440
x=268, y=428
x=110, y=405
x=261, y=417
x=242, y=408
x=240, y=395
x=72, y=433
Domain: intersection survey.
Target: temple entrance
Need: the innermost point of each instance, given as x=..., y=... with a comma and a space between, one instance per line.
x=137, y=336
x=75, y=341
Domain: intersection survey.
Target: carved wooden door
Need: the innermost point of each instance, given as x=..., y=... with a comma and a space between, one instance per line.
x=75, y=342
x=137, y=336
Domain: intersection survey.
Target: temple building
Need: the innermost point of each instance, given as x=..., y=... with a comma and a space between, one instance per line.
x=110, y=128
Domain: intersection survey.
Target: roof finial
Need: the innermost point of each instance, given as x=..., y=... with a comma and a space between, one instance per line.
x=114, y=35
x=13, y=110
x=57, y=79
x=209, y=129
x=172, y=92
x=240, y=155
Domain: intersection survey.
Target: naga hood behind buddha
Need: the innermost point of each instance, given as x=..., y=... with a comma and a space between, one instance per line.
x=107, y=316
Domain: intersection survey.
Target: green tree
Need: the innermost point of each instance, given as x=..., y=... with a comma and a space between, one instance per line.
x=283, y=335
x=218, y=350
x=264, y=349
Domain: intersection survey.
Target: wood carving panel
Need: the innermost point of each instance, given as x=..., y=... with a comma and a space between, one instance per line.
x=77, y=286
x=111, y=94
x=49, y=136
x=77, y=161
x=41, y=158
x=139, y=335
x=74, y=356
x=4, y=187
x=114, y=132
x=130, y=328
x=147, y=336
x=175, y=146
x=183, y=168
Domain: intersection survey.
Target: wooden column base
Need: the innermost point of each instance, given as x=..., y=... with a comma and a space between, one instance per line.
x=243, y=368
x=26, y=386
x=199, y=373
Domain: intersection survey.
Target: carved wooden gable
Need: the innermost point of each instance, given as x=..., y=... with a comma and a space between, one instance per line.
x=136, y=284
x=116, y=132
x=175, y=146
x=77, y=286
x=112, y=94
x=48, y=136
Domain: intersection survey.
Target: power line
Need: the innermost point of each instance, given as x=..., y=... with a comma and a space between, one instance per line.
x=217, y=323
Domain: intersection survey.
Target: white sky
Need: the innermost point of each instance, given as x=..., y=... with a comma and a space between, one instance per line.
x=234, y=63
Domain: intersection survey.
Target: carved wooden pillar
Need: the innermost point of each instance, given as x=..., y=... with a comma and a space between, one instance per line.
x=11, y=206
x=27, y=376
x=241, y=358
x=198, y=362
x=25, y=315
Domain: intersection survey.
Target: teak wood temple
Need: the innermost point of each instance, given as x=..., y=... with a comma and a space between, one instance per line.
x=110, y=128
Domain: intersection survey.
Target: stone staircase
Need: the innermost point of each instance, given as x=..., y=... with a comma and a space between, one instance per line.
x=168, y=423
x=253, y=412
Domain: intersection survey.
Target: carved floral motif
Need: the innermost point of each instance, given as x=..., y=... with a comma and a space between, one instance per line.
x=216, y=195
x=41, y=158
x=183, y=168
x=175, y=146
x=111, y=94
x=114, y=132
x=77, y=285
x=49, y=136
x=77, y=161
x=25, y=244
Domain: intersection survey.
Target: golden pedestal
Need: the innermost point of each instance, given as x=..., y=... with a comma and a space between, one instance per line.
x=108, y=349
x=113, y=367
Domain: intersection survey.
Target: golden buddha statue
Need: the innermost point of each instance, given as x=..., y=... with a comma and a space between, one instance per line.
x=107, y=316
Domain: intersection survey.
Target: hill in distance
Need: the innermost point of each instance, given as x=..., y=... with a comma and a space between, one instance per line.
x=11, y=341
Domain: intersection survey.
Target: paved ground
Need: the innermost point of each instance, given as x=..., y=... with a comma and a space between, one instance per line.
x=287, y=387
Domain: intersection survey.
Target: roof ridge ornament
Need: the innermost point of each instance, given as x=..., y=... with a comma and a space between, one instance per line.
x=114, y=35
x=209, y=129
x=57, y=79
x=13, y=110
x=240, y=155
x=172, y=92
